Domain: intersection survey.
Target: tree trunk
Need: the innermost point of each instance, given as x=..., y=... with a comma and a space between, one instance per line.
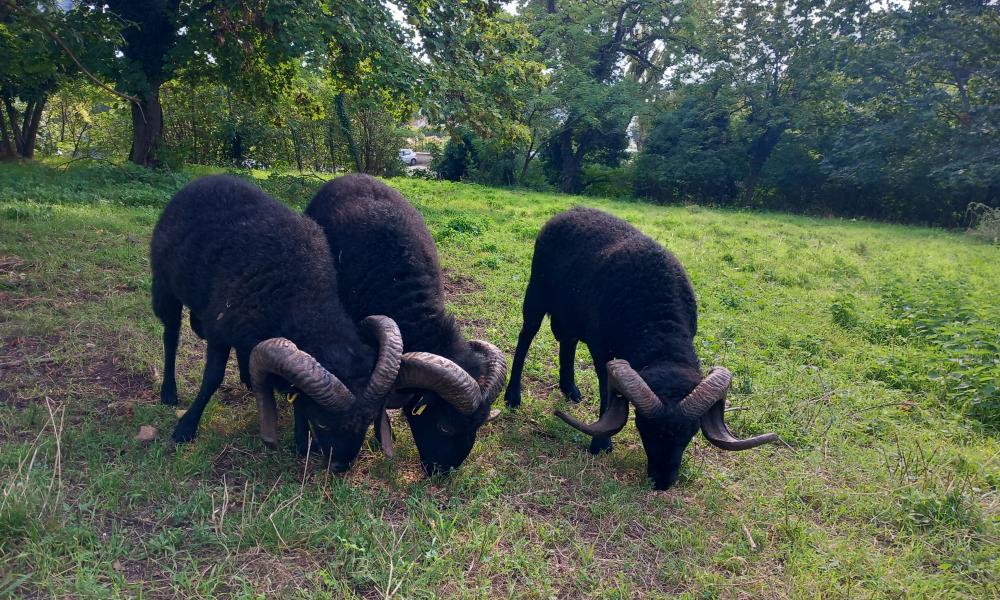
x=6, y=147
x=331, y=143
x=345, y=130
x=30, y=131
x=570, y=180
x=528, y=155
x=21, y=141
x=759, y=151
x=296, y=147
x=147, y=128
x=315, y=153
x=79, y=139
x=62, y=121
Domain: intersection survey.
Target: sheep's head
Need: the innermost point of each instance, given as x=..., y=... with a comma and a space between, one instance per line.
x=666, y=428
x=448, y=405
x=331, y=408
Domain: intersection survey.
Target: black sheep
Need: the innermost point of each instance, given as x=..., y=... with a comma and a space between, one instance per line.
x=386, y=262
x=605, y=283
x=258, y=278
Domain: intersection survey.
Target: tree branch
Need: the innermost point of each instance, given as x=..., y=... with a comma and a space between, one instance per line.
x=55, y=37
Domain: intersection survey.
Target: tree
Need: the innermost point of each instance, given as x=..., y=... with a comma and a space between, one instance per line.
x=606, y=57
x=480, y=69
x=692, y=152
x=923, y=129
x=239, y=43
x=778, y=58
x=29, y=72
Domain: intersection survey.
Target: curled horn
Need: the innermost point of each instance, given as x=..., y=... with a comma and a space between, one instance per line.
x=494, y=371
x=624, y=386
x=707, y=402
x=432, y=372
x=707, y=393
x=385, y=332
x=279, y=356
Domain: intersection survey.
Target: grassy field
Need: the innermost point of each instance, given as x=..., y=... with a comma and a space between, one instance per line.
x=871, y=349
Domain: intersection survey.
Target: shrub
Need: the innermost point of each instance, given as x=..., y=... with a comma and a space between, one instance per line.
x=843, y=312
x=985, y=222
x=457, y=158
x=608, y=182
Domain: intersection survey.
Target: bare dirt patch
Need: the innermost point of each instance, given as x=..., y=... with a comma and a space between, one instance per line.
x=477, y=328
x=119, y=382
x=233, y=394
x=457, y=285
x=13, y=266
x=21, y=358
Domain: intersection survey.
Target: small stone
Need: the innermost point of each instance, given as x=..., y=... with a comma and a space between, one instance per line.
x=147, y=433
x=134, y=238
x=122, y=406
x=117, y=566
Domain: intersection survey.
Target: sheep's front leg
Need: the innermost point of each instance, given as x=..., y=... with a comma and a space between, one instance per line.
x=567, y=373
x=216, y=358
x=302, y=438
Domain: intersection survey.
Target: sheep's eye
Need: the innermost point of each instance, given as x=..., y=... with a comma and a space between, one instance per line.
x=445, y=427
x=323, y=427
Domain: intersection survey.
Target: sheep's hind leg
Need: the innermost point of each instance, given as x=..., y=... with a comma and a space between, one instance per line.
x=533, y=312
x=216, y=358
x=168, y=310
x=244, y=363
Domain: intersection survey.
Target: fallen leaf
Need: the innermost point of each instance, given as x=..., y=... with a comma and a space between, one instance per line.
x=117, y=566
x=147, y=433
x=180, y=412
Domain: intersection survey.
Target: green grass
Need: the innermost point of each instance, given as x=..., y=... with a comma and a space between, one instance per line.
x=871, y=349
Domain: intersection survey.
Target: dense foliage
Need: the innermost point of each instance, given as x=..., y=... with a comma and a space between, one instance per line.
x=845, y=107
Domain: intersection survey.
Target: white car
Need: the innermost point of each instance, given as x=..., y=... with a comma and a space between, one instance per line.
x=408, y=156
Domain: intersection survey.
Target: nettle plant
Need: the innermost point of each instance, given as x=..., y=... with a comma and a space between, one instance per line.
x=956, y=350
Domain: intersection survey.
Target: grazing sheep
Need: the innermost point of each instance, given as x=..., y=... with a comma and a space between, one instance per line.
x=607, y=284
x=386, y=262
x=258, y=278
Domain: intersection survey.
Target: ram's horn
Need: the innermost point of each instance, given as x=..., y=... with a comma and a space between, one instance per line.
x=279, y=356
x=385, y=332
x=385, y=434
x=424, y=370
x=624, y=386
x=707, y=393
x=494, y=369
x=713, y=418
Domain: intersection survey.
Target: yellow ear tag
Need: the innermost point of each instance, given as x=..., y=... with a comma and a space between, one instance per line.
x=418, y=410
x=292, y=397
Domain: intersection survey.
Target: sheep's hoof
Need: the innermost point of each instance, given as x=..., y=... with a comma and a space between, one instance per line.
x=598, y=445
x=183, y=434
x=513, y=398
x=572, y=393
x=168, y=397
